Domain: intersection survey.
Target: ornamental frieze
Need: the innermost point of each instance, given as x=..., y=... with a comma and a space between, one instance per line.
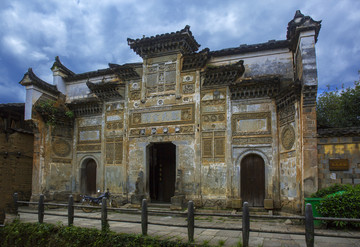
x=114, y=125
x=213, y=102
x=252, y=140
x=89, y=148
x=218, y=117
x=256, y=123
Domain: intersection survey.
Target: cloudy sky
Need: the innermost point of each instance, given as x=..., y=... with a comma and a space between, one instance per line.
x=88, y=34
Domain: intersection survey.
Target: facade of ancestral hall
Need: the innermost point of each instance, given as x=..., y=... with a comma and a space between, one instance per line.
x=216, y=127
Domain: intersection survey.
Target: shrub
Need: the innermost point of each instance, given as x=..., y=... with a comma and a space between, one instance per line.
x=36, y=234
x=345, y=205
x=332, y=189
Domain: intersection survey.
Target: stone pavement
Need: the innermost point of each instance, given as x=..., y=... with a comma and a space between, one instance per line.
x=203, y=235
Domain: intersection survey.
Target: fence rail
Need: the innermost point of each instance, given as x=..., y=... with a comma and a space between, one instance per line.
x=190, y=215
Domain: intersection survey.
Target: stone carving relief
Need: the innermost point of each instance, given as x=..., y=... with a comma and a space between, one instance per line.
x=188, y=78
x=287, y=114
x=288, y=137
x=219, y=117
x=187, y=129
x=114, y=125
x=61, y=147
x=188, y=88
x=161, y=78
x=135, y=95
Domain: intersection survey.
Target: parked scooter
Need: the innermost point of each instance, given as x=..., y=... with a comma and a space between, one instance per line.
x=97, y=201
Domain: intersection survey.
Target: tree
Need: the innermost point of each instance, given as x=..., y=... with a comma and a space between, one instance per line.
x=339, y=108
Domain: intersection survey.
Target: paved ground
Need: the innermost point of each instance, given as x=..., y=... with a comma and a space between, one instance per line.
x=204, y=235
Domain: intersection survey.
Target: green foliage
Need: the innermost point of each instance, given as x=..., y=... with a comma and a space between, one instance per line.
x=221, y=242
x=345, y=205
x=339, y=108
x=330, y=190
x=29, y=234
x=52, y=111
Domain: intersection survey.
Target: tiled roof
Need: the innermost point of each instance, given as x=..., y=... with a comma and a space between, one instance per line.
x=13, y=105
x=299, y=24
x=196, y=60
x=125, y=72
x=332, y=132
x=34, y=80
x=182, y=41
x=271, y=44
x=58, y=64
x=105, y=91
x=255, y=87
x=223, y=75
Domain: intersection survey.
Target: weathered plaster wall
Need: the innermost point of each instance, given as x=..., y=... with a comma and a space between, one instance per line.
x=346, y=149
x=258, y=137
x=271, y=62
x=15, y=168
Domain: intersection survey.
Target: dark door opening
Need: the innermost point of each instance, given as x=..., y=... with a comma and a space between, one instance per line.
x=88, y=177
x=253, y=180
x=162, y=173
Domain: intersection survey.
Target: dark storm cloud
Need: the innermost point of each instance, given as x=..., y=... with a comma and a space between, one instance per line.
x=89, y=34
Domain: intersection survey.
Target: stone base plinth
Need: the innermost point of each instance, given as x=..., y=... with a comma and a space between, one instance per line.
x=177, y=202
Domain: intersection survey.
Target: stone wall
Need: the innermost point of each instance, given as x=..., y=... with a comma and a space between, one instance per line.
x=339, y=160
x=16, y=156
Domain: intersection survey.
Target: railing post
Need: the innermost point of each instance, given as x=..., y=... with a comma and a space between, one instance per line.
x=104, y=222
x=71, y=211
x=190, y=221
x=309, y=226
x=144, y=217
x=41, y=209
x=16, y=205
x=245, y=224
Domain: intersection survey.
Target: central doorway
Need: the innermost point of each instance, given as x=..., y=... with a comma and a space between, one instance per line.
x=162, y=171
x=88, y=177
x=253, y=180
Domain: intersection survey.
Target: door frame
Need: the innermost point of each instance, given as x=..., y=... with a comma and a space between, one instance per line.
x=268, y=171
x=148, y=154
x=258, y=191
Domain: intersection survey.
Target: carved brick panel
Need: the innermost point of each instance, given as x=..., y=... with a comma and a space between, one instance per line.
x=256, y=123
x=114, y=150
x=213, y=144
x=252, y=140
x=163, y=116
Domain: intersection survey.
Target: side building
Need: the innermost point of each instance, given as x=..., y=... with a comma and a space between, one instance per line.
x=216, y=127
x=16, y=152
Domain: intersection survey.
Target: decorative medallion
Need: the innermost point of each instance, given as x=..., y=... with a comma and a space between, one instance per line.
x=61, y=148
x=288, y=137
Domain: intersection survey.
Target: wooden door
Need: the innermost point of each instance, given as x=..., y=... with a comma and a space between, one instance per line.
x=253, y=180
x=90, y=171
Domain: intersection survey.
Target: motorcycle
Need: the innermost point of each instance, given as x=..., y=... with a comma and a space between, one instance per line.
x=97, y=201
